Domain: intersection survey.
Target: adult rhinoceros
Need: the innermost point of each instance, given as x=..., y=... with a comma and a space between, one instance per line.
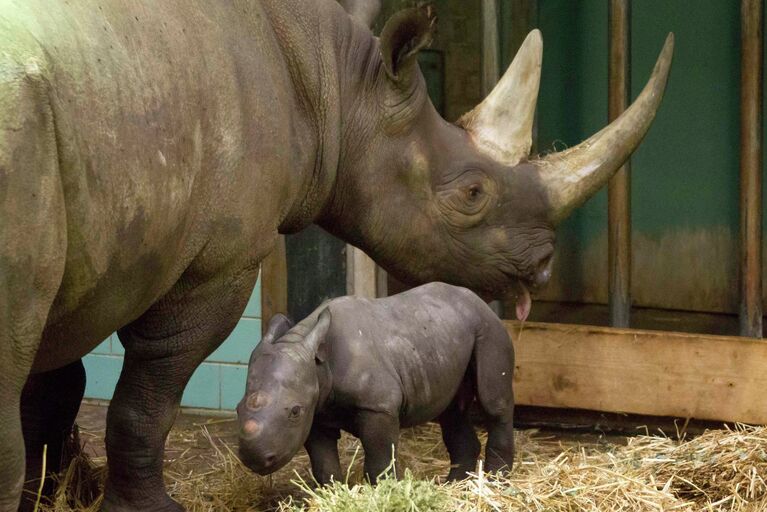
x=151, y=152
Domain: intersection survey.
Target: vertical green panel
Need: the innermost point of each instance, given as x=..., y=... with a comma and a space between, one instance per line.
x=573, y=98
x=686, y=172
x=432, y=64
x=316, y=270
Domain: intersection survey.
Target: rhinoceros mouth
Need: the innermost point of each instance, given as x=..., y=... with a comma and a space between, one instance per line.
x=524, y=302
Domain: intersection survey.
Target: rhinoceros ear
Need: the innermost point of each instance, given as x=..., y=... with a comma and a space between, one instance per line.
x=278, y=325
x=316, y=340
x=405, y=34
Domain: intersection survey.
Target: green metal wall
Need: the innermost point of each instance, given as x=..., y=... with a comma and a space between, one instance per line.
x=685, y=174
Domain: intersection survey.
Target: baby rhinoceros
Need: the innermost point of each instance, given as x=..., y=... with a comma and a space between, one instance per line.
x=370, y=367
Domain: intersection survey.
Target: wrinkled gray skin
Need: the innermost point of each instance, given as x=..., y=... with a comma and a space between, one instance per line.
x=151, y=152
x=366, y=11
x=370, y=367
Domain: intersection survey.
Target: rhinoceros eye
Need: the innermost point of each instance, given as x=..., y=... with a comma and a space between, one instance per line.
x=464, y=199
x=295, y=412
x=473, y=192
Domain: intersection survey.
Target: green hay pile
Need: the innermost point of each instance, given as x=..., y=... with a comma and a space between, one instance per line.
x=722, y=470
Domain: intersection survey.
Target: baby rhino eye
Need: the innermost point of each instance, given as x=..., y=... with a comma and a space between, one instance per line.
x=295, y=411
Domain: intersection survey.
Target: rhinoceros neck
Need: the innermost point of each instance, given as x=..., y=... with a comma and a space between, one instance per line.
x=310, y=35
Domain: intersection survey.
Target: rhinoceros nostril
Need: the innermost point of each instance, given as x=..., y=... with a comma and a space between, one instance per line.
x=269, y=460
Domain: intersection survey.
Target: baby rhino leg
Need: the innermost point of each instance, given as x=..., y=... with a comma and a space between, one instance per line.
x=379, y=434
x=459, y=436
x=322, y=447
x=494, y=362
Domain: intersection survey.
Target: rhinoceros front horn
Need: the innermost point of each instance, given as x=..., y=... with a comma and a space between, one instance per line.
x=571, y=176
x=574, y=175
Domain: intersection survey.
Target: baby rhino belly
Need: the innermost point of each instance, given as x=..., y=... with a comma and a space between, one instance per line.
x=431, y=384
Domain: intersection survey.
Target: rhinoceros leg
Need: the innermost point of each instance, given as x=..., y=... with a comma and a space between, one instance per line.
x=162, y=350
x=494, y=363
x=32, y=249
x=379, y=434
x=322, y=447
x=49, y=405
x=459, y=436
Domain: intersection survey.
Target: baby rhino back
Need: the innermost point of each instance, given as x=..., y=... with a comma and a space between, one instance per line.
x=407, y=354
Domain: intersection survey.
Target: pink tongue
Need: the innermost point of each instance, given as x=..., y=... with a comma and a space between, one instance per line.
x=524, y=304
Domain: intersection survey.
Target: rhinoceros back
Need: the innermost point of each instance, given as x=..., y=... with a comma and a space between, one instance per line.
x=161, y=110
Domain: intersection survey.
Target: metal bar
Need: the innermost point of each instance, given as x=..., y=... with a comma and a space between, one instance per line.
x=619, y=187
x=490, y=46
x=752, y=75
x=491, y=55
x=523, y=17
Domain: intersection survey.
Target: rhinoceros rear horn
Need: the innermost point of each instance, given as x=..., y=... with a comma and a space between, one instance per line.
x=502, y=125
x=574, y=175
x=405, y=34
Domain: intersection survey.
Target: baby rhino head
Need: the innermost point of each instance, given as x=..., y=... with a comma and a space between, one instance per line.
x=276, y=413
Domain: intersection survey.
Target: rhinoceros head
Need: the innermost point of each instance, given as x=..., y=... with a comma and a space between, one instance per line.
x=465, y=203
x=282, y=392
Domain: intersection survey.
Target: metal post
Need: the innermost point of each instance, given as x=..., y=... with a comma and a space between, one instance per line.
x=619, y=187
x=491, y=54
x=751, y=73
x=490, y=46
x=519, y=17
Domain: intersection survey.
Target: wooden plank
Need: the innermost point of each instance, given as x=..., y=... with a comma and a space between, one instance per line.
x=361, y=274
x=274, y=284
x=640, y=372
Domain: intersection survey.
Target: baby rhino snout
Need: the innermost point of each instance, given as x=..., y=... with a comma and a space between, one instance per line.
x=255, y=450
x=263, y=462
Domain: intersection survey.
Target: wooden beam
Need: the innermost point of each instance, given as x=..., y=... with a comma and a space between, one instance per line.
x=274, y=284
x=653, y=373
x=619, y=187
x=751, y=100
x=362, y=275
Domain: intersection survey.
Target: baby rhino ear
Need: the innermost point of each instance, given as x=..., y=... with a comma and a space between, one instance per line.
x=278, y=325
x=316, y=340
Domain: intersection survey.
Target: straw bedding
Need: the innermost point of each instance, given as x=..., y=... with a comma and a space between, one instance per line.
x=717, y=471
